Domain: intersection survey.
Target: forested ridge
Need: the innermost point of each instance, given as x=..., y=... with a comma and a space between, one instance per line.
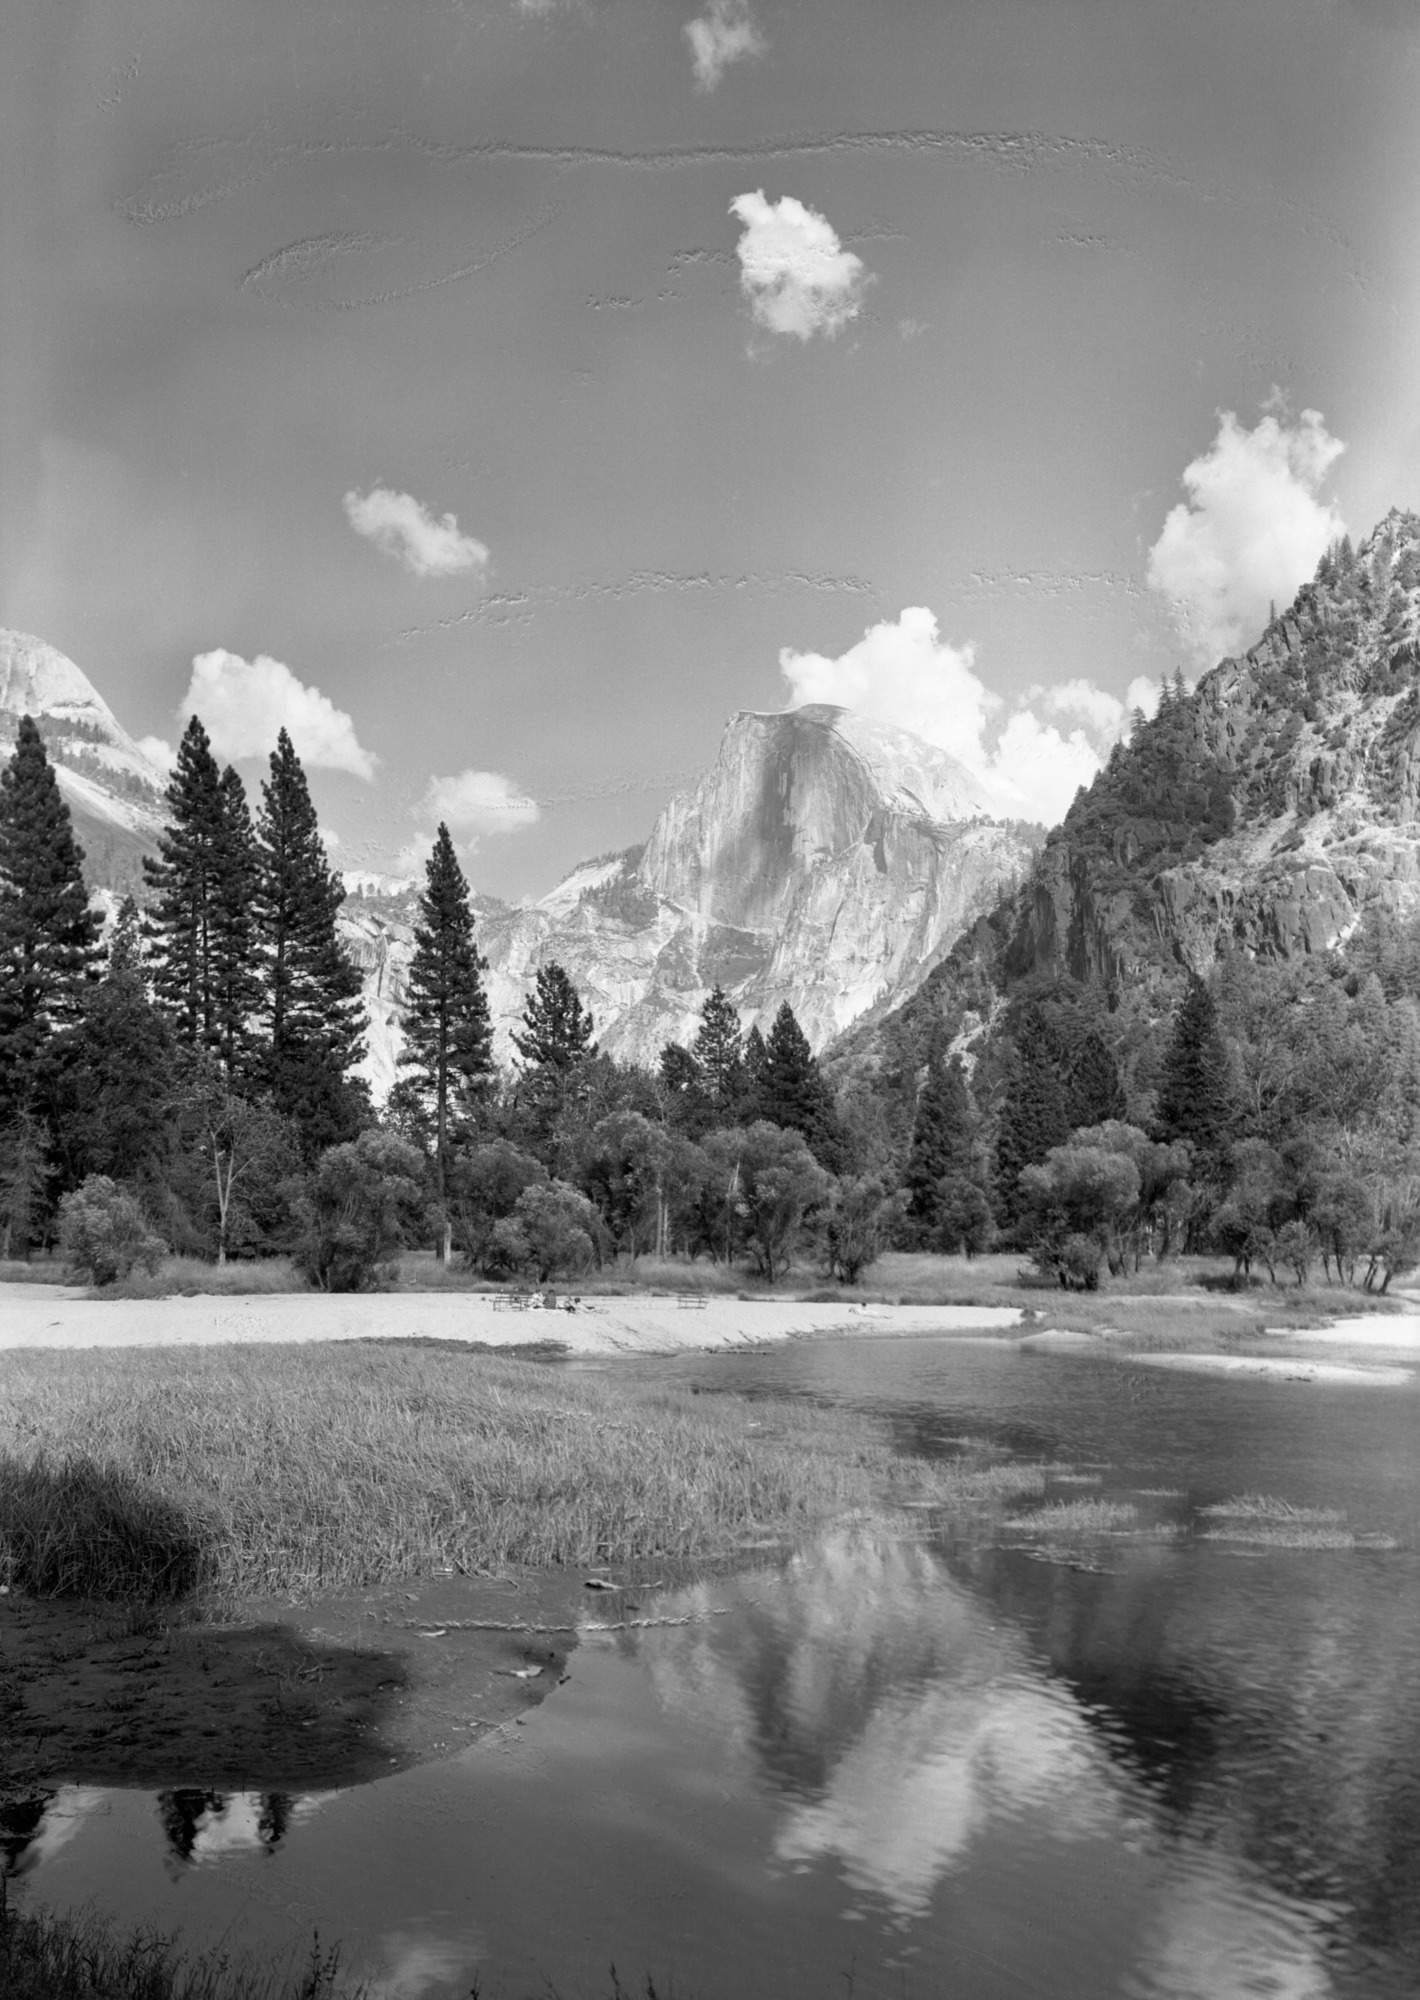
x=1196, y=1024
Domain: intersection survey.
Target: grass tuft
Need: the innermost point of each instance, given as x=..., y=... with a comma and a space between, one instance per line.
x=45, y=1955
x=1266, y=1507
x=86, y=1528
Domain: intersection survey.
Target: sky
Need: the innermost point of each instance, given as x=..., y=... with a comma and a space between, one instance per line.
x=500, y=394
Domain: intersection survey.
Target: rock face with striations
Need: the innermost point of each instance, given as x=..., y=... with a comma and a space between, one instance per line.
x=822, y=860
x=113, y=790
x=1265, y=812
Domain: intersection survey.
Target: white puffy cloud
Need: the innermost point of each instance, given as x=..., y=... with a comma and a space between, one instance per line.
x=158, y=751
x=1252, y=530
x=726, y=33
x=794, y=271
x=404, y=528
x=478, y=802
x=471, y=804
x=1031, y=757
x=244, y=703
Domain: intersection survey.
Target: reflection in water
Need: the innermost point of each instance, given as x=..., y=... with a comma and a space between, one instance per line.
x=897, y=1720
x=205, y=1826
x=32, y=1831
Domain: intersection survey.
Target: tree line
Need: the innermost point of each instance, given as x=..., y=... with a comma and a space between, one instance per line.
x=192, y=1087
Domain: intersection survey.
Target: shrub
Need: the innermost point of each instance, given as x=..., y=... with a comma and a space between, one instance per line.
x=860, y=1216
x=357, y=1211
x=559, y=1227
x=104, y=1234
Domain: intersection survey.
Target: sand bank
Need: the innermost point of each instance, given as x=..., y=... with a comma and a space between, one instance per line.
x=1279, y=1368
x=56, y=1316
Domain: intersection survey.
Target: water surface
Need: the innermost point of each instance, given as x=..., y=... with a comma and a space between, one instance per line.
x=920, y=1758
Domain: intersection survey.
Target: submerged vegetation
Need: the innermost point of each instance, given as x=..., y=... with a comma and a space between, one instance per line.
x=290, y=1470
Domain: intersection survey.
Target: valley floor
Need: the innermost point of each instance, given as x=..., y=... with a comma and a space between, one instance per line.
x=62, y=1316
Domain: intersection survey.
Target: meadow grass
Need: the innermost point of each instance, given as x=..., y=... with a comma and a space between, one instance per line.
x=61, y=1955
x=1078, y=1517
x=259, y=1471
x=47, y=1955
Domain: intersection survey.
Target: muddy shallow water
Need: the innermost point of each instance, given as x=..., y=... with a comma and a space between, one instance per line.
x=1138, y=1747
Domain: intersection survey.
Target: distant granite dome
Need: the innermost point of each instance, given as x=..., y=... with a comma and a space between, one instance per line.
x=822, y=859
x=114, y=792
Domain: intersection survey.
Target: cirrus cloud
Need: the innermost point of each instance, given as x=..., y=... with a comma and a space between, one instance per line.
x=797, y=276
x=1251, y=531
x=726, y=33
x=245, y=703
x=404, y=527
x=1031, y=756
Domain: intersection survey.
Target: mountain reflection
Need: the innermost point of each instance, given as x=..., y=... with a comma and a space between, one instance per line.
x=899, y=1722
x=33, y=1830
x=208, y=1826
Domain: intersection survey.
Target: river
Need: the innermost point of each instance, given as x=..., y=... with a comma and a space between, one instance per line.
x=1145, y=1748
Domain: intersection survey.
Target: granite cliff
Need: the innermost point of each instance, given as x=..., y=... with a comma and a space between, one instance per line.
x=822, y=860
x=1265, y=811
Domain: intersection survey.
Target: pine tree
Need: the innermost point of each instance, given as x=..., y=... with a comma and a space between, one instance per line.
x=235, y=965
x=1035, y=1112
x=792, y=1092
x=555, y=1045
x=557, y=1029
x=201, y=920
x=109, y=1090
x=719, y=1051
x=1094, y=1092
x=312, y=1017
x=1195, y=1096
x=48, y=934
x=448, y=1038
x=941, y=1143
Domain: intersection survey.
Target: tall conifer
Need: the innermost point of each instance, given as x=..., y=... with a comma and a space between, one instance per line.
x=1195, y=1098
x=1035, y=1113
x=941, y=1143
x=719, y=1050
x=792, y=1092
x=448, y=1038
x=313, y=1021
x=202, y=919
x=48, y=934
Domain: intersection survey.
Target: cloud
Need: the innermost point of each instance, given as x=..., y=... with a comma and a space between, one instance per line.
x=471, y=804
x=158, y=751
x=404, y=528
x=1252, y=530
x=726, y=33
x=245, y=703
x=795, y=273
x=1031, y=757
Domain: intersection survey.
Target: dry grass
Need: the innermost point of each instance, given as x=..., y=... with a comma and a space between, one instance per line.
x=1266, y=1507
x=1078, y=1517
x=260, y=1471
x=49, y=1956
x=190, y=1277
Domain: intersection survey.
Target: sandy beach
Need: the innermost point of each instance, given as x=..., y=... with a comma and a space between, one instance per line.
x=62, y=1316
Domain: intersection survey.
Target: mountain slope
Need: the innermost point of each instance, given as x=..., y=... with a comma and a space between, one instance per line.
x=114, y=792
x=1266, y=811
x=821, y=860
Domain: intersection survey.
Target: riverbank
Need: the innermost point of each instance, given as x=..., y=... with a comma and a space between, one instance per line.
x=297, y=1566
x=53, y=1316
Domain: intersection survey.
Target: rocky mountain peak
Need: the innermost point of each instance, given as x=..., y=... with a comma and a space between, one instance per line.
x=113, y=789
